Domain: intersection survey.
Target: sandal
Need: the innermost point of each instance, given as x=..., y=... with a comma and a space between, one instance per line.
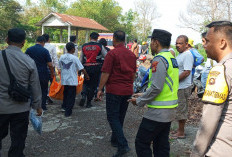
x=174, y=137
x=173, y=132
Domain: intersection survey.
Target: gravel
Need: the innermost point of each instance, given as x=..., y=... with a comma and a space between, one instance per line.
x=87, y=133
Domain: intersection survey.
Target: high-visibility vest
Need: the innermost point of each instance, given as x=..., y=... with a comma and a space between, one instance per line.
x=168, y=97
x=217, y=90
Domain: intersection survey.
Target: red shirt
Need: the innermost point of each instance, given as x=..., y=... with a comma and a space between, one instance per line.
x=120, y=63
x=129, y=45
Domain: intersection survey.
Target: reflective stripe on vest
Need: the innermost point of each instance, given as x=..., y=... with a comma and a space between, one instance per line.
x=167, y=98
x=163, y=104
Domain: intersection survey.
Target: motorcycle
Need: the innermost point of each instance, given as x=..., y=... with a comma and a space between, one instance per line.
x=141, y=82
x=197, y=81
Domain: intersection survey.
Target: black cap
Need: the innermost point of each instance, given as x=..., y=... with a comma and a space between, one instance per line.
x=161, y=35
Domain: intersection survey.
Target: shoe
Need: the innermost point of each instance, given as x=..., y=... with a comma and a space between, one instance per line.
x=49, y=100
x=114, y=144
x=82, y=102
x=67, y=115
x=62, y=110
x=121, y=152
x=89, y=105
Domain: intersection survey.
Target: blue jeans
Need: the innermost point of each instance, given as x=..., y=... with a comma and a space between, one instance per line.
x=116, y=107
x=204, y=77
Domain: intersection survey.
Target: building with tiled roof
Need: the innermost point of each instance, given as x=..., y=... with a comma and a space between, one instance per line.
x=70, y=22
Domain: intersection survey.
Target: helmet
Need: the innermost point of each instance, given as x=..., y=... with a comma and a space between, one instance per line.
x=142, y=58
x=190, y=42
x=144, y=43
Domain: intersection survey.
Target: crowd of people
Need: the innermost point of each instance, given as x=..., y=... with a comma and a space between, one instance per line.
x=170, y=85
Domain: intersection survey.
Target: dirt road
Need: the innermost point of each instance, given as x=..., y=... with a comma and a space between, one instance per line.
x=86, y=134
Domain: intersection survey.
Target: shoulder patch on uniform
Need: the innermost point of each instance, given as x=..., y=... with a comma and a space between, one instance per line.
x=154, y=66
x=174, y=63
x=217, y=90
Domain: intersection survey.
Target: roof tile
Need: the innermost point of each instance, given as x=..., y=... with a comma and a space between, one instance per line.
x=82, y=22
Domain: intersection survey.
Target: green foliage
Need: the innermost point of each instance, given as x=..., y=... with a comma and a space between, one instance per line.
x=9, y=16
x=50, y=5
x=27, y=45
x=143, y=29
x=61, y=47
x=3, y=46
x=105, y=12
x=199, y=48
x=31, y=16
x=203, y=53
x=127, y=22
x=33, y=13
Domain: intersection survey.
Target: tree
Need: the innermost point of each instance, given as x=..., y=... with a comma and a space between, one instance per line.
x=128, y=23
x=49, y=5
x=30, y=17
x=105, y=12
x=147, y=13
x=9, y=16
x=201, y=12
x=33, y=13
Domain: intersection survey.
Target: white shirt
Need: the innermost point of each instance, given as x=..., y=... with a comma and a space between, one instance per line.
x=208, y=63
x=70, y=65
x=140, y=48
x=52, y=50
x=185, y=62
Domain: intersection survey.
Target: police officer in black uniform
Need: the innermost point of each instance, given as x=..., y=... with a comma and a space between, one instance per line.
x=91, y=57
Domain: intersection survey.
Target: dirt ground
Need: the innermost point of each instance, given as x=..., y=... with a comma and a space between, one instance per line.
x=86, y=133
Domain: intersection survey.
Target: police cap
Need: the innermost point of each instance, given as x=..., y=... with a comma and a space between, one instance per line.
x=161, y=35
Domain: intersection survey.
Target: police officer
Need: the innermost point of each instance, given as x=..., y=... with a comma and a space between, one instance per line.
x=214, y=137
x=91, y=57
x=160, y=97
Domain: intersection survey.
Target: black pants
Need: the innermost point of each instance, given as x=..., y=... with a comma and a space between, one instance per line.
x=18, y=123
x=90, y=86
x=157, y=132
x=116, y=107
x=44, y=90
x=69, y=99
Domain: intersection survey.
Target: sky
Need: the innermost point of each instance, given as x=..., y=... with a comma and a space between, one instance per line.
x=169, y=20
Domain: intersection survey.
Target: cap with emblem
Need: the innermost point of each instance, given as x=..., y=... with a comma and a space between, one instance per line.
x=161, y=35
